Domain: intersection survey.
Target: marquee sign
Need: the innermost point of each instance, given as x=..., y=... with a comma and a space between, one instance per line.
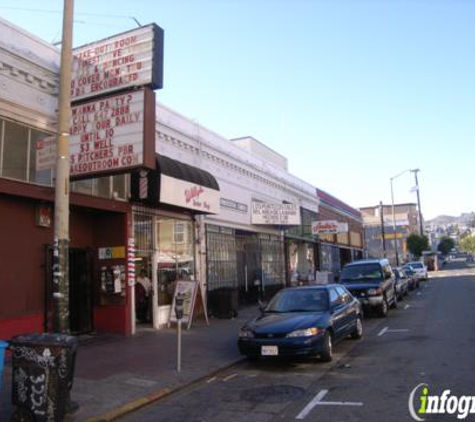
x=112, y=135
x=275, y=214
x=130, y=59
x=329, y=227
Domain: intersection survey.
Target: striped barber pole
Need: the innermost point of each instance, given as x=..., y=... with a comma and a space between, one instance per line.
x=143, y=185
x=131, y=261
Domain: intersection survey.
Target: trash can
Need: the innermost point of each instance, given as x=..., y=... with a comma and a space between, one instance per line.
x=42, y=376
x=227, y=303
x=3, y=346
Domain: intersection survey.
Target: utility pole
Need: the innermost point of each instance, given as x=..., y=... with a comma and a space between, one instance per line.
x=61, y=205
x=394, y=222
x=381, y=213
x=421, y=226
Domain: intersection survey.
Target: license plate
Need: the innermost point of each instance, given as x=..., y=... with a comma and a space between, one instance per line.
x=269, y=351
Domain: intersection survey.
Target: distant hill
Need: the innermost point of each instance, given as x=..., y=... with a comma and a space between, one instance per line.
x=448, y=219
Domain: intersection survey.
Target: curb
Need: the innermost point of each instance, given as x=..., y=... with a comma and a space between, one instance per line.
x=137, y=404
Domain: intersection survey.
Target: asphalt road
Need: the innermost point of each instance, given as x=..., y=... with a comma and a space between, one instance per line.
x=429, y=339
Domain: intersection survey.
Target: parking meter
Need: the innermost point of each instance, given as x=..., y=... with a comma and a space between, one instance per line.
x=179, y=300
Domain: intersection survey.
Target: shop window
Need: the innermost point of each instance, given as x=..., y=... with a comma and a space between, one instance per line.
x=175, y=255
x=179, y=233
x=82, y=186
x=119, y=186
x=15, y=151
x=103, y=187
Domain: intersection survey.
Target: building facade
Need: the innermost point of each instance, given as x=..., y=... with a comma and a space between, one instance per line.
x=223, y=214
x=386, y=236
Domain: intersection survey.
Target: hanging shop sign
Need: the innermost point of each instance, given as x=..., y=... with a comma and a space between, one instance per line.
x=329, y=227
x=275, y=214
x=185, y=194
x=112, y=134
x=130, y=59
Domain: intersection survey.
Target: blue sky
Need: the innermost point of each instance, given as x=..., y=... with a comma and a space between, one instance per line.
x=352, y=92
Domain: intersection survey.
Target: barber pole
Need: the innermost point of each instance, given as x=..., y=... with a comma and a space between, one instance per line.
x=143, y=185
x=131, y=261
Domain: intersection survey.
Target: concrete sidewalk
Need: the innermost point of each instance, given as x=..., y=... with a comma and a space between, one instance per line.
x=115, y=375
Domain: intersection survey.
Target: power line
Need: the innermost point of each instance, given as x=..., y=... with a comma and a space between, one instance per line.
x=25, y=9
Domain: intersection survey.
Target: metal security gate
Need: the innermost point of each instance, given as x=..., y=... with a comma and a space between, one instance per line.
x=248, y=258
x=273, y=264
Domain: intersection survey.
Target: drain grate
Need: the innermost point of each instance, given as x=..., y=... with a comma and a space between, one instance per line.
x=273, y=394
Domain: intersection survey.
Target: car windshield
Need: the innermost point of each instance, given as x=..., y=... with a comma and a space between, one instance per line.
x=299, y=300
x=366, y=272
x=416, y=265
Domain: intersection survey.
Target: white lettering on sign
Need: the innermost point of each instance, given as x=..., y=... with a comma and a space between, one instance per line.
x=107, y=134
x=125, y=60
x=275, y=214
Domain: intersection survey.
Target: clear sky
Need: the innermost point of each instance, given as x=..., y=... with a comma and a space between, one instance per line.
x=352, y=92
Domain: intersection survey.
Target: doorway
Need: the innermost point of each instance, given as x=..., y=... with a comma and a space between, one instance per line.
x=80, y=290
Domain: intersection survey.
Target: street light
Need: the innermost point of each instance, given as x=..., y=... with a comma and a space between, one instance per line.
x=394, y=214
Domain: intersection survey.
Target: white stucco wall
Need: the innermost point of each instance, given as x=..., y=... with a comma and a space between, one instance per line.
x=242, y=175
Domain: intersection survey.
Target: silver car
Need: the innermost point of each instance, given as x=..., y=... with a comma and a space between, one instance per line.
x=420, y=270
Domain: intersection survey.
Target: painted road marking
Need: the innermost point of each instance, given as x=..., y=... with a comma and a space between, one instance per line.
x=317, y=401
x=307, y=409
x=229, y=377
x=392, y=330
x=211, y=380
x=407, y=306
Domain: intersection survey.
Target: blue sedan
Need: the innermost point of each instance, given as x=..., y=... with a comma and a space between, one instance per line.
x=302, y=322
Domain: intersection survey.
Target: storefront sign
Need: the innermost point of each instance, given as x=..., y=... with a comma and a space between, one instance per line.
x=182, y=193
x=116, y=252
x=108, y=135
x=329, y=227
x=275, y=214
x=46, y=153
x=131, y=59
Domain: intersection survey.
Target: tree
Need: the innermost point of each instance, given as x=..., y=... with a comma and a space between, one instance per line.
x=445, y=245
x=416, y=244
x=467, y=244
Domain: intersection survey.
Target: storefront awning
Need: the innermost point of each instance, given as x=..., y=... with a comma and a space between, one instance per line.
x=177, y=184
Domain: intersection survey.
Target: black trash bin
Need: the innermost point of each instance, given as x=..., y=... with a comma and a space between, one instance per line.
x=42, y=376
x=225, y=302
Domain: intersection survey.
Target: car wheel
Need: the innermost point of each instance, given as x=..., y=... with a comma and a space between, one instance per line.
x=327, y=353
x=383, y=310
x=358, y=333
x=395, y=299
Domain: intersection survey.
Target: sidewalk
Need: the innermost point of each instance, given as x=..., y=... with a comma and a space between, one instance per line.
x=115, y=375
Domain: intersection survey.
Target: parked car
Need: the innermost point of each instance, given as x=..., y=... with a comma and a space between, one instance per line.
x=402, y=283
x=372, y=281
x=413, y=281
x=420, y=270
x=302, y=321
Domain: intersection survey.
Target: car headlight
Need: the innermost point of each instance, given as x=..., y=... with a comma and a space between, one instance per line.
x=308, y=332
x=246, y=334
x=375, y=292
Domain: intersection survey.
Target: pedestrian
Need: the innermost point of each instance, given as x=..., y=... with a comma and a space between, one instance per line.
x=143, y=290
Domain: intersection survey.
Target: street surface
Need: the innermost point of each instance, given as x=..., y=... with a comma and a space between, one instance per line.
x=429, y=339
